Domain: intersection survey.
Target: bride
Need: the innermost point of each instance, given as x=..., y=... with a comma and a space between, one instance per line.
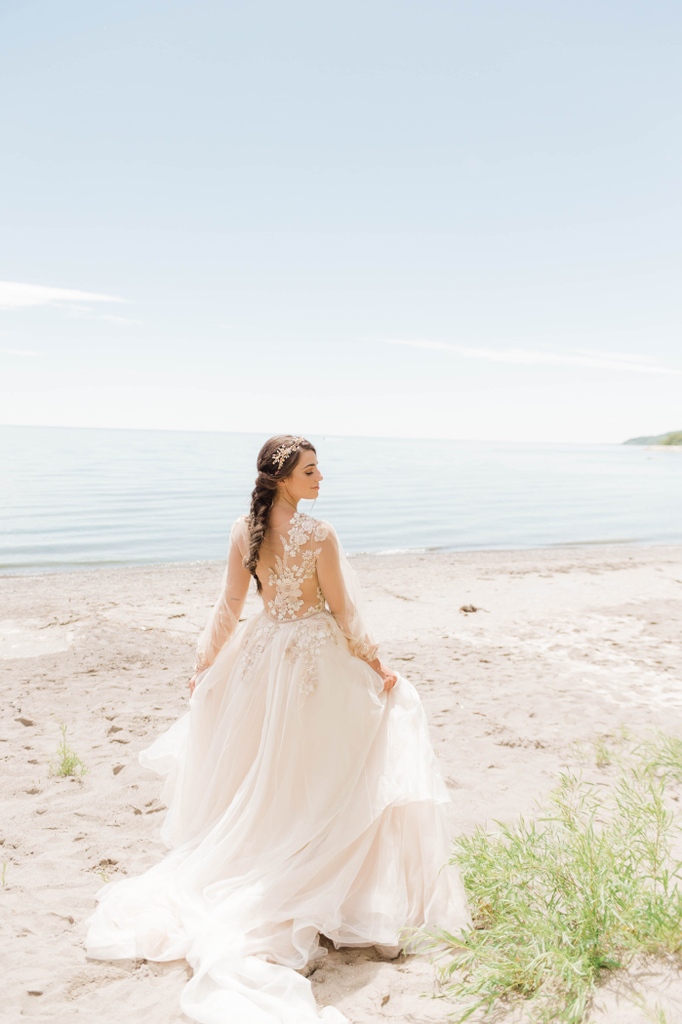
x=302, y=790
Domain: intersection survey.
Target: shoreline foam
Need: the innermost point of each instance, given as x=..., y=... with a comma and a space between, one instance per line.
x=24, y=571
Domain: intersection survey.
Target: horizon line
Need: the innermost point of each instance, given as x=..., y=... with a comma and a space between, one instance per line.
x=322, y=433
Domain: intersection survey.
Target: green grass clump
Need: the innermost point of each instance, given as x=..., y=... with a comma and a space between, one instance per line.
x=558, y=900
x=662, y=755
x=68, y=762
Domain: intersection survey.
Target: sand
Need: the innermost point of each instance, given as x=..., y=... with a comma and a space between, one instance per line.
x=566, y=644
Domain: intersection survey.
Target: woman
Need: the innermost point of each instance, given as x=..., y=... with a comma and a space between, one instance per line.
x=303, y=794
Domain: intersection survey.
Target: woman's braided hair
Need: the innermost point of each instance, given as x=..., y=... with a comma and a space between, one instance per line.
x=276, y=461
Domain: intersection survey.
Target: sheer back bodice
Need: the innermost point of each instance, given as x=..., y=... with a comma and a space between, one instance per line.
x=302, y=571
x=287, y=568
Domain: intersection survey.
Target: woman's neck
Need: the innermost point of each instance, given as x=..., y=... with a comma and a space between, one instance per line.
x=284, y=504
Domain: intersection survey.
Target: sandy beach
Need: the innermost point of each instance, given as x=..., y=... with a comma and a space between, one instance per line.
x=565, y=645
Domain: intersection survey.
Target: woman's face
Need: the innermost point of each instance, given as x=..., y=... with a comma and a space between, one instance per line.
x=303, y=483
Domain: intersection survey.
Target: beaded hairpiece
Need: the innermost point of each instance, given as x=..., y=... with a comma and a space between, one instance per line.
x=284, y=451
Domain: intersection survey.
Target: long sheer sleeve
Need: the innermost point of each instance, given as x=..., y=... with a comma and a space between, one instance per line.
x=341, y=591
x=226, y=611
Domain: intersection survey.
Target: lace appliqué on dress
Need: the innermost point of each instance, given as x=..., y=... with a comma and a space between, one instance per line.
x=286, y=576
x=256, y=643
x=306, y=642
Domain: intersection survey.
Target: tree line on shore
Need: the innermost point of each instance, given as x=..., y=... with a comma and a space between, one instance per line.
x=672, y=437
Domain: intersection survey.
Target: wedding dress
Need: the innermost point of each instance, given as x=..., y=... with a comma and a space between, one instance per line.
x=302, y=800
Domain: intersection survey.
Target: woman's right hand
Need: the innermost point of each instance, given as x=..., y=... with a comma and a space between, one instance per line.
x=193, y=683
x=390, y=678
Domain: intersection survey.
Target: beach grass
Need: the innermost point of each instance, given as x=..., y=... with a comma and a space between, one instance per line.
x=67, y=762
x=560, y=899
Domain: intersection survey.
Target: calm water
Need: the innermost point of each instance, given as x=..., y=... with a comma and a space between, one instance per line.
x=73, y=498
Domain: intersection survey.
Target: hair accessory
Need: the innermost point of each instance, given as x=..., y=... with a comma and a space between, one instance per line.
x=284, y=451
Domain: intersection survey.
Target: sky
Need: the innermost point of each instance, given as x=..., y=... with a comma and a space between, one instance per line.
x=380, y=218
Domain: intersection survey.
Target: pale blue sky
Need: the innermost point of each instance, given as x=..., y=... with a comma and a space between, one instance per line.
x=455, y=219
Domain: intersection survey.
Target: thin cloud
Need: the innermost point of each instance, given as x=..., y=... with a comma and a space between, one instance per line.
x=533, y=357
x=18, y=352
x=125, y=321
x=16, y=295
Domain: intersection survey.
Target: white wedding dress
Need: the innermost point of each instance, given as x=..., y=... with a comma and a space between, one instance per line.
x=302, y=800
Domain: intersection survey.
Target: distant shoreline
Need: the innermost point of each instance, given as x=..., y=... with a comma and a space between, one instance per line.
x=672, y=439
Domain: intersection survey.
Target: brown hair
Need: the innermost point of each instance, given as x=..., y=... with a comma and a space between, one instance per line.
x=270, y=470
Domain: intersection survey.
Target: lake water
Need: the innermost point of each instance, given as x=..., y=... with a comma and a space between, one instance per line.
x=76, y=498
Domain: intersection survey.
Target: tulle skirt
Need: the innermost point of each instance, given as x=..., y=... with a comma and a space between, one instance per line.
x=302, y=800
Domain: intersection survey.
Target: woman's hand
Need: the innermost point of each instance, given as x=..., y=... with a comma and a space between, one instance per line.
x=390, y=678
x=195, y=679
x=199, y=670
